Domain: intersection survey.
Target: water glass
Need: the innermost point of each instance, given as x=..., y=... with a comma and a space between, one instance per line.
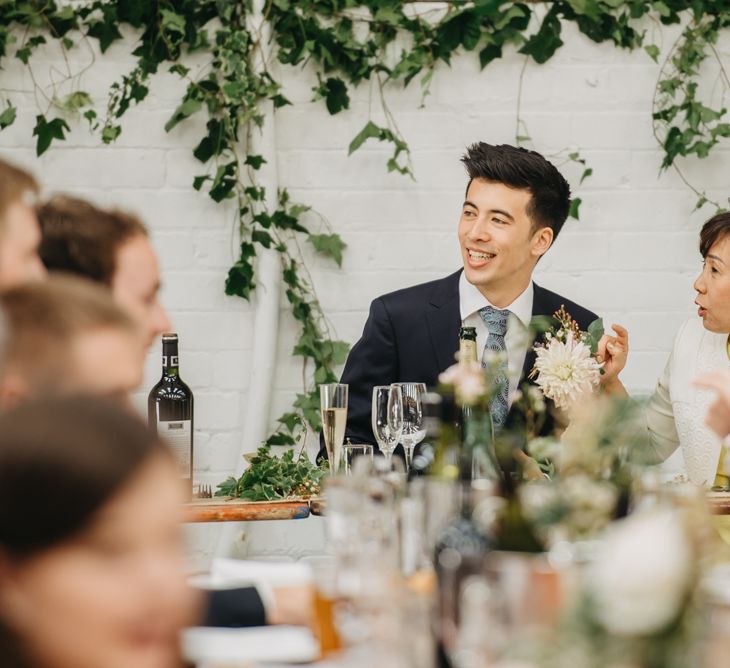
x=387, y=417
x=414, y=430
x=354, y=450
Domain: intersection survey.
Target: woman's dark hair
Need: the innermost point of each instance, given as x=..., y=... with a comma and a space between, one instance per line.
x=80, y=238
x=714, y=229
x=519, y=168
x=61, y=460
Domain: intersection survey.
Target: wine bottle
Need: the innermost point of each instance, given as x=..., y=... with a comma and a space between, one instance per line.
x=468, y=345
x=446, y=442
x=513, y=531
x=170, y=408
x=460, y=552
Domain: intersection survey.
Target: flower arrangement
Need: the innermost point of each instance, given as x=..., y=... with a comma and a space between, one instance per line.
x=566, y=367
x=590, y=468
x=639, y=604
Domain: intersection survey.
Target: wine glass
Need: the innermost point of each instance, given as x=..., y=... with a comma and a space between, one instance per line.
x=413, y=429
x=387, y=417
x=333, y=409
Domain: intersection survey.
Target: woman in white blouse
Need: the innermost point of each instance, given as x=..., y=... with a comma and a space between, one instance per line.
x=677, y=409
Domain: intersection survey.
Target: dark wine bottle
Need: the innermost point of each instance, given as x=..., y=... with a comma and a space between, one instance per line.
x=468, y=345
x=447, y=441
x=513, y=531
x=460, y=552
x=170, y=408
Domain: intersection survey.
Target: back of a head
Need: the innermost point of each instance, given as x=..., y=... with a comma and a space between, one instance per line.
x=15, y=185
x=524, y=169
x=81, y=238
x=61, y=459
x=43, y=320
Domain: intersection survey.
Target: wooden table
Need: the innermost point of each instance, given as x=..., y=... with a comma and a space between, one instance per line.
x=219, y=509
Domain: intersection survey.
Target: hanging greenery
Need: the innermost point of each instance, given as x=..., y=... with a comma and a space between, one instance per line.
x=347, y=42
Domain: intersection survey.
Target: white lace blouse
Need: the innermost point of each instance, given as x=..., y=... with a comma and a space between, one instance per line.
x=676, y=410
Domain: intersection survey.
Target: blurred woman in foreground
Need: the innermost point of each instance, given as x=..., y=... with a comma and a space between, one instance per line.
x=91, y=566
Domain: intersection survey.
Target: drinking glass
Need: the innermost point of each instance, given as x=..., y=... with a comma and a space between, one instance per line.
x=333, y=409
x=354, y=450
x=387, y=417
x=414, y=430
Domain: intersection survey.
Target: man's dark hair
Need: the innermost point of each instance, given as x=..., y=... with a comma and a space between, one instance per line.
x=80, y=238
x=713, y=230
x=519, y=168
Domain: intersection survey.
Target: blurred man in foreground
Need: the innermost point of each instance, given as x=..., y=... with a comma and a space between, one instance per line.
x=66, y=336
x=19, y=231
x=109, y=247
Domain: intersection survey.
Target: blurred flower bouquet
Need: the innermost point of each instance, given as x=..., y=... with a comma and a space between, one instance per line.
x=566, y=367
x=474, y=387
x=638, y=605
x=590, y=468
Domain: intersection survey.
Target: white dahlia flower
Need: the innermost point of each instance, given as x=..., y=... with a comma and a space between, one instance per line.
x=644, y=574
x=566, y=371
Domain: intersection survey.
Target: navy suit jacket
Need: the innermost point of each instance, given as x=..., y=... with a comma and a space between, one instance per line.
x=413, y=335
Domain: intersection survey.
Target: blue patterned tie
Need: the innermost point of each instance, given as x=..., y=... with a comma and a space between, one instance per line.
x=496, y=322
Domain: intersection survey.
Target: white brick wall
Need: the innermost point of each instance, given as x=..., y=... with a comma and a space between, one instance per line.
x=632, y=257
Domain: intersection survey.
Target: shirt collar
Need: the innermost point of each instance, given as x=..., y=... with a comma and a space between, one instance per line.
x=471, y=300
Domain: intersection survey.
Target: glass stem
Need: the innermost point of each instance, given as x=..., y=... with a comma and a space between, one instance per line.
x=408, y=450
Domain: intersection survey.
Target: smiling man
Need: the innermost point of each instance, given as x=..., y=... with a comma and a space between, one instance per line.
x=515, y=205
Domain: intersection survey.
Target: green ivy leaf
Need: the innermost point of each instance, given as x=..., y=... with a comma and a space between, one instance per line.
x=575, y=208
x=279, y=101
x=543, y=44
x=489, y=53
x=8, y=116
x=172, y=22
x=224, y=182
x=586, y=173
x=110, y=133
x=213, y=143
x=329, y=245
x=73, y=102
x=47, y=131
x=334, y=92
x=189, y=107
x=180, y=70
x=370, y=131
x=262, y=237
x=255, y=161
x=653, y=51
x=105, y=31
x=240, y=281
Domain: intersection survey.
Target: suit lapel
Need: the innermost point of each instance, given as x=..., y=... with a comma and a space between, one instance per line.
x=443, y=318
x=539, y=307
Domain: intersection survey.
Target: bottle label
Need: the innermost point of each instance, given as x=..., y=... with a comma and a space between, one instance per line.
x=174, y=360
x=467, y=351
x=178, y=435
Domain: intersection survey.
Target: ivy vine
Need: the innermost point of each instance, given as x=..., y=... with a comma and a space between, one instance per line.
x=379, y=43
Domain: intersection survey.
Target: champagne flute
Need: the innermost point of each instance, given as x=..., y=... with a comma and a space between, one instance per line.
x=414, y=430
x=387, y=417
x=333, y=409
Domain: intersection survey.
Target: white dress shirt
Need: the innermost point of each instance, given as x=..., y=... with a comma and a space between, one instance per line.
x=516, y=339
x=677, y=409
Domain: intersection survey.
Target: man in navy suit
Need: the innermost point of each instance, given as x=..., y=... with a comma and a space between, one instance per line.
x=515, y=206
